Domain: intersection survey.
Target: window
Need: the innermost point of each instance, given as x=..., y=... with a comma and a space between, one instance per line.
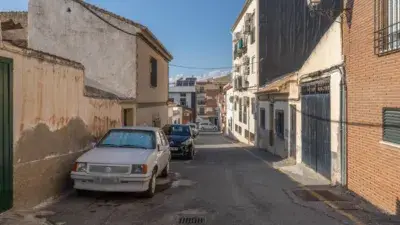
x=387, y=26
x=391, y=125
x=127, y=138
x=262, y=118
x=245, y=114
x=201, y=90
x=240, y=110
x=280, y=124
x=235, y=106
x=253, y=30
x=153, y=72
x=246, y=134
x=236, y=127
x=253, y=105
x=252, y=64
x=164, y=138
x=183, y=101
x=183, y=95
x=178, y=130
x=240, y=129
x=201, y=111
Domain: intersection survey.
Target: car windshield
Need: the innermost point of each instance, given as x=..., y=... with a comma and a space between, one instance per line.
x=129, y=139
x=178, y=130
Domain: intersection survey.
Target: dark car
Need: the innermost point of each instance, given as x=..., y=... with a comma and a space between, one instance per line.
x=181, y=140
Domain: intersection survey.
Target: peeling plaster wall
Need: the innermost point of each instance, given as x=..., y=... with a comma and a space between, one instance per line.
x=53, y=122
x=67, y=29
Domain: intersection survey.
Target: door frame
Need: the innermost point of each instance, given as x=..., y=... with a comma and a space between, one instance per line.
x=9, y=204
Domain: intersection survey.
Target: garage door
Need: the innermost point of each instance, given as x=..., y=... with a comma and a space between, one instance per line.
x=6, y=162
x=316, y=129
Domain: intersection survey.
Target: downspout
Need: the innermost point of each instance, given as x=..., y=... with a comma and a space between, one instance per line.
x=343, y=128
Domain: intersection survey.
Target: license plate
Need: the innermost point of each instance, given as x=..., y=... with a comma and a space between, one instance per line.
x=106, y=180
x=174, y=149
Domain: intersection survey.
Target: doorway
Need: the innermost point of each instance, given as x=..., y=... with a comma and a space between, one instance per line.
x=6, y=137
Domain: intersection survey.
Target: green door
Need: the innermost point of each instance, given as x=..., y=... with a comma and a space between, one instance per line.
x=6, y=161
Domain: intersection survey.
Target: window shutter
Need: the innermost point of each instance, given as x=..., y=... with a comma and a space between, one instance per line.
x=391, y=125
x=153, y=75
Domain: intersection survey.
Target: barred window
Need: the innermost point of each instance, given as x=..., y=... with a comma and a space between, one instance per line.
x=387, y=26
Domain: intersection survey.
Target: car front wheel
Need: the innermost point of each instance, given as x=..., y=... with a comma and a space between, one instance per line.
x=190, y=154
x=151, y=190
x=165, y=171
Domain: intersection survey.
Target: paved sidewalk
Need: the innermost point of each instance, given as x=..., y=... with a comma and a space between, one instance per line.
x=350, y=203
x=24, y=218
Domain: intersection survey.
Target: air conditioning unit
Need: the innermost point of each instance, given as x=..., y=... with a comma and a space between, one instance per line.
x=247, y=17
x=246, y=70
x=237, y=68
x=246, y=60
x=246, y=101
x=247, y=28
x=238, y=35
x=245, y=84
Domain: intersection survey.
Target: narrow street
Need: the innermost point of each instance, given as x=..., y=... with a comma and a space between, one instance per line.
x=225, y=184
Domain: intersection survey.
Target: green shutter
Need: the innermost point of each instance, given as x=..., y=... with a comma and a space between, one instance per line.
x=391, y=125
x=6, y=161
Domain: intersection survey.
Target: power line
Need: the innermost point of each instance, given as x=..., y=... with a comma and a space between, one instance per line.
x=133, y=34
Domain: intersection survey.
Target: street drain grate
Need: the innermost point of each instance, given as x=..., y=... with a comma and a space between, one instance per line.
x=191, y=220
x=325, y=194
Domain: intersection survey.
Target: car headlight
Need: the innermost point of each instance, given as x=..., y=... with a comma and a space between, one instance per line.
x=139, y=169
x=187, y=142
x=80, y=167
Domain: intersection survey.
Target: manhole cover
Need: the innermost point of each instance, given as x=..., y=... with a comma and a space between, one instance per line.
x=310, y=197
x=192, y=220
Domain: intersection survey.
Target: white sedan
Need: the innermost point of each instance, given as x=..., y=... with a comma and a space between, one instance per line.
x=126, y=159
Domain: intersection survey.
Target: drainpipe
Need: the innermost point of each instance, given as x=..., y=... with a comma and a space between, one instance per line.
x=343, y=127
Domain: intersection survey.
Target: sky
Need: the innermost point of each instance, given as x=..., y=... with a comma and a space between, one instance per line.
x=196, y=32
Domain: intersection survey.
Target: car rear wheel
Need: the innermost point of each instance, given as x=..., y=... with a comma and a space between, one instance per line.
x=151, y=190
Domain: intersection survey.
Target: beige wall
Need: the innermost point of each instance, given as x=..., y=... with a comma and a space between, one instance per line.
x=146, y=93
x=146, y=115
x=152, y=102
x=53, y=122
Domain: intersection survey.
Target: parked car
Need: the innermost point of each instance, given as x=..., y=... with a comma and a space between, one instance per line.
x=126, y=159
x=207, y=126
x=194, y=128
x=181, y=140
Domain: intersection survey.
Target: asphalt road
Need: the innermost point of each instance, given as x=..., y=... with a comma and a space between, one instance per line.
x=224, y=184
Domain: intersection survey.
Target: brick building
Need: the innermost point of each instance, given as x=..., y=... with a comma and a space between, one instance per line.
x=371, y=47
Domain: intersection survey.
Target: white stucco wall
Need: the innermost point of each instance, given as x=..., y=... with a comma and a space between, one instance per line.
x=252, y=51
x=327, y=54
x=177, y=98
x=66, y=29
x=280, y=146
x=229, y=113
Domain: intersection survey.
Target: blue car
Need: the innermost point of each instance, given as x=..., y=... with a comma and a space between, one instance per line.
x=181, y=140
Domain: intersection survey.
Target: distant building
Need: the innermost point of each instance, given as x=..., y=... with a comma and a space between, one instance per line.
x=183, y=93
x=207, y=95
